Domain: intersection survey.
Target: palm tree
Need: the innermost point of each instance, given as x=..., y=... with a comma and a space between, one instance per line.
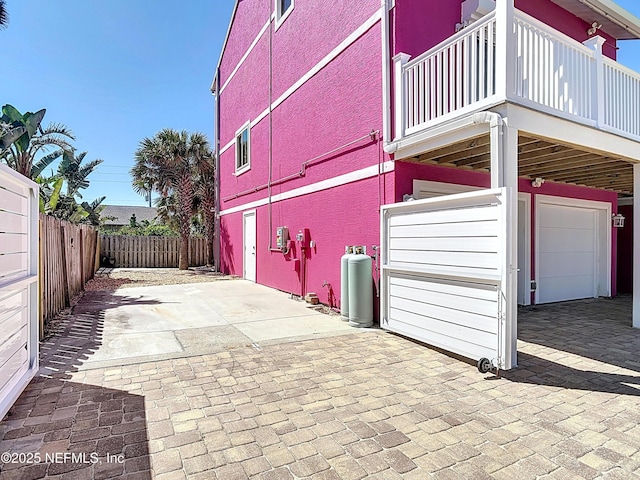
x=170, y=161
x=74, y=173
x=64, y=203
x=21, y=153
x=4, y=15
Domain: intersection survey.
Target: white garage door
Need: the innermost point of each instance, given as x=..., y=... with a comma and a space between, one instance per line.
x=18, y=285
x=568, y=253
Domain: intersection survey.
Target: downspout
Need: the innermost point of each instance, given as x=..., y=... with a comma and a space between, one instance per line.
x=497, y=148
x=270, y=179
x=216, y=136
x=386, y=73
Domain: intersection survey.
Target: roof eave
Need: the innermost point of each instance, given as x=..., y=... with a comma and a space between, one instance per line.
x=622, y=24
x=224, y=46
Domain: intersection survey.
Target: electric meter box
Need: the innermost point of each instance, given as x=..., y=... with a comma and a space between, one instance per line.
x=282, y=238
x=303, y=237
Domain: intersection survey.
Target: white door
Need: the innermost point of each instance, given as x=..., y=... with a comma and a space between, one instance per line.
x=444, y=266
x=567, y=253
x=249, y=229
x=18, y=285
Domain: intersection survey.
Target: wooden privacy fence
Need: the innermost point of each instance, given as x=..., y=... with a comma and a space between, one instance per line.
x=67, y=262
x=150, y=252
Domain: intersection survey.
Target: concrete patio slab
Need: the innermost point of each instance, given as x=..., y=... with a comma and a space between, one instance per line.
x=159, y=322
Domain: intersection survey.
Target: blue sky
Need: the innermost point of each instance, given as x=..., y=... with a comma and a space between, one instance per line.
x=114, y=72
x=118, y=71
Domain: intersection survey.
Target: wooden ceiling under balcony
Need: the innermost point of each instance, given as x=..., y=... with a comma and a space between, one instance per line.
x=544, y=158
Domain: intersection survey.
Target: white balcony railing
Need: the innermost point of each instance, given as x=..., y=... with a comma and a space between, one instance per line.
x=523, y=61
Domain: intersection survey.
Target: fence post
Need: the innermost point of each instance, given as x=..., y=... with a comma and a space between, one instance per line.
x=82, y=273
x=65, y=281
x=41, y=303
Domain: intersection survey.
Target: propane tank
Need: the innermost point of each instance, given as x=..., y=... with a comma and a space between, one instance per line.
x=344, y=283
x=360, y=289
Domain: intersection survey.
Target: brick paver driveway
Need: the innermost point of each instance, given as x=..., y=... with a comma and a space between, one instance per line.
x=352, y=406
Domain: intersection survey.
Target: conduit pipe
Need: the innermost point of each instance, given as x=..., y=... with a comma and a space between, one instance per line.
x=303, y=168
x=269, y=181
x=216, y=141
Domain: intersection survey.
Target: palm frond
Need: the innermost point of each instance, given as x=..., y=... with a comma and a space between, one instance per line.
x=4, y=15
x=44, y=162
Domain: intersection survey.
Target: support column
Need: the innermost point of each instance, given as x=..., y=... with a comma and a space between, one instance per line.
x=636, y=245
x=510, y=180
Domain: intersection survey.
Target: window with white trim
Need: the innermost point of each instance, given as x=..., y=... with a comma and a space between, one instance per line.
x=243, y=158
x=283, y=9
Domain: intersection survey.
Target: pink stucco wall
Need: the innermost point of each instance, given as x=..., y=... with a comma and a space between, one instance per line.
x=417, y=28
x=346, y=93
x=406, y=172
x=249, y=19
x=325, y=123
x=344, y=215
x=247, y=94
x=313, y=30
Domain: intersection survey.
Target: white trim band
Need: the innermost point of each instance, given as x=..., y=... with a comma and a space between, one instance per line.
x=249, y=50
x=340, y=180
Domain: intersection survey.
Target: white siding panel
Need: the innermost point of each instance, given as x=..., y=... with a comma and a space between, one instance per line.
x=13, y=186
x=444, y=335
x=16, y=365
x=12, y=262
x=454, y=244
x=11, y=302
x=487, y=261
x=474, y=229
x=465, y=216
x=445, y=313
x=13, y=223
x=13, y=202
x=15, y=339
x=14, y=243
x=448, y=300
x=462, y=290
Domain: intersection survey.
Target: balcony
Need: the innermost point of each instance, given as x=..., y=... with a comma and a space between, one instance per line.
x=509, y=56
